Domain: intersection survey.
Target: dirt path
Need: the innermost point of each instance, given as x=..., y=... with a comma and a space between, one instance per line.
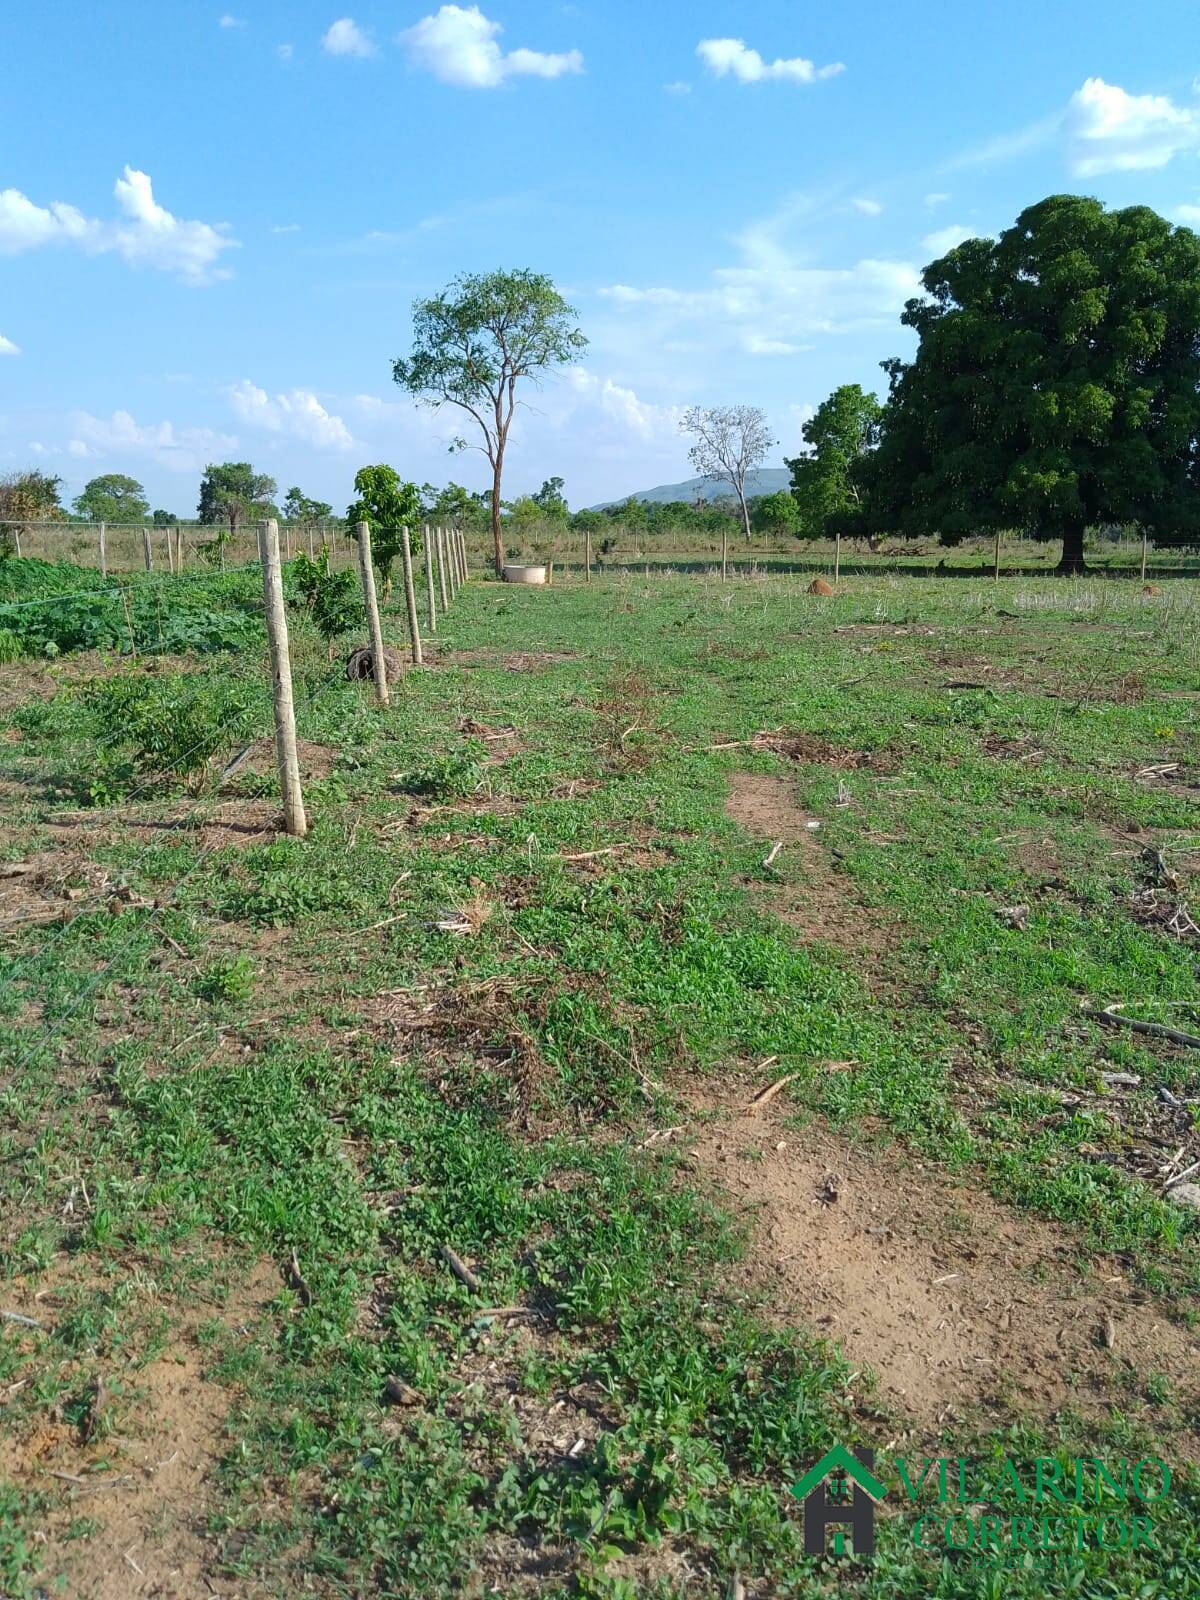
x=957, y=1303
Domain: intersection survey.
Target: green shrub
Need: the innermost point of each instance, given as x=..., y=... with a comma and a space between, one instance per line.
x=168, y=724
x=447, y=777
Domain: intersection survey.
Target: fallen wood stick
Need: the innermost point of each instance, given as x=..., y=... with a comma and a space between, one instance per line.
x=769, y=858
x=1156, y=1030
x=588, y=855
x=1180, y=1176
x=19, y=1318
x=460, y=1269
x=769, y=1093
x=16, y=869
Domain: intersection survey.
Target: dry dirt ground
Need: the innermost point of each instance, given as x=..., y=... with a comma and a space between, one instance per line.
x=960, y=1305
x=142, y=1476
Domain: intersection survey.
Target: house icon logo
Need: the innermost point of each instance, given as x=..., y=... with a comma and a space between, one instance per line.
x=857, y=1513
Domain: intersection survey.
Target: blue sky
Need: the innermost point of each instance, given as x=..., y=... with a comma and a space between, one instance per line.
x=213, y=223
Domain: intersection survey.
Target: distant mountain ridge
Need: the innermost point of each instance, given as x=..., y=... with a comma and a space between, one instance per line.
x=763, y=480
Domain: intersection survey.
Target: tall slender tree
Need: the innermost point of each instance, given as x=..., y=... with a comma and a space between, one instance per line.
x=472, y=346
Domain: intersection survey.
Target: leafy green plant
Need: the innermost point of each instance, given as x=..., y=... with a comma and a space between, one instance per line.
x=333, y=599
x=446, y=777
x=169, y=725
x=227, y=978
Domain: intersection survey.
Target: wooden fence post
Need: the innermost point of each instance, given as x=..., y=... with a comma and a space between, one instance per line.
x=103, y=551
x=1145, y=536
x=311, y=552
x=180, y=547
x=724, y=551
x=294, y=820
x=367, y=574
x=451, y=563
x=462, y=546
x=410, y=597
x=431, y=602
x=587, y=556
x=441, y=566
x=837, y=558
x=147, y=550
x=996, y=557
x=17, y=539
x=170, y=549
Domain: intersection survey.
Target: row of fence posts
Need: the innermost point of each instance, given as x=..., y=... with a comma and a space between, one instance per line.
x=449, y=546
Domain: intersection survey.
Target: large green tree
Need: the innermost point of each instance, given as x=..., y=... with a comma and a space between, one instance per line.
x=388, y=505
x=297, y=507
x=841, y=432
x=113, y=497
x=472, y=346
x=232, y=492
x=1056, y=384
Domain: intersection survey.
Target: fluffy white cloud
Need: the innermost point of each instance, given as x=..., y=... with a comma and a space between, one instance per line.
x=937, y=198
x=146, y=234
x=178, y=449
x=773, y=296
x=1110, y=130
x=943, y=239
x=1188, y=215
x=230, y=21
x=734, y=56
x=345, y=38
x=620, y=405
x=457, y=44
x=868, y=207
x=8, y=348
x=284, y=51
x=679, y=86
x=296, y=412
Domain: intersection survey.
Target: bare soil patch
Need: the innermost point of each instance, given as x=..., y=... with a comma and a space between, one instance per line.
x=958, y=1304
x=813, y=748
x=147, y=1484
x=823, y=905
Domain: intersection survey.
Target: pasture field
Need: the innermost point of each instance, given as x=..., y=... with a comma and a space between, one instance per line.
x=401, y=1211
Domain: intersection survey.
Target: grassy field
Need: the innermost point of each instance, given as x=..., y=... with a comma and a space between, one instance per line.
x=394, y=1213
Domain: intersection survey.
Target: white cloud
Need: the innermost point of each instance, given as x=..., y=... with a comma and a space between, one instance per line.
x=1188, y=215
x=345, y=38
x=679, y=86
x=936, y=199
x=1110, y=130
x=619, y=404
x=228, y=21
x=296, y=412
x=756, y=345
x=8, y=348
x=145, y=235
x=457, y=44
x=774, y=295
x=284, y=51
x=177, y=449
x=868, y=207
x=943, y=239
x=725, y=56
x=286, y=227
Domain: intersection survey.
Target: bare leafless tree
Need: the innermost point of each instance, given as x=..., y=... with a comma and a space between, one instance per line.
x=730, y=442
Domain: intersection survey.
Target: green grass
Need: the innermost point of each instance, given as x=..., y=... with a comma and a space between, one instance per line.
x=272, y=1052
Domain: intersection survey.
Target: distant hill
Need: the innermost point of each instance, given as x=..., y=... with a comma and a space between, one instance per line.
x=764, y=480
